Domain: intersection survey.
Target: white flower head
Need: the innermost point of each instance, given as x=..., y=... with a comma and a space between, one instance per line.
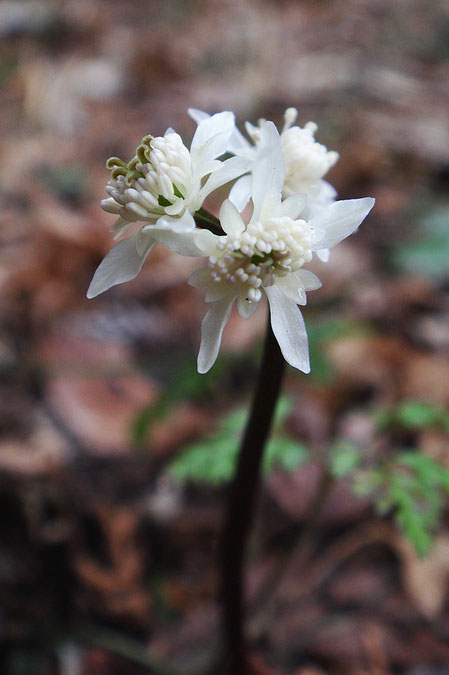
x=162, y=187
x=306, y=161
x=268, y=255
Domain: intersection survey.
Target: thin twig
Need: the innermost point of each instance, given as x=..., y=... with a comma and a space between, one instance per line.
x=242, y=500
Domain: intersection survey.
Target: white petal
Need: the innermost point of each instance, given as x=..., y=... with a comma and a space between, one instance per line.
x=211, y=332
x=197, y=115
x=339, y=220
x=211, y=137
x=205, y=168
x=120, y=227
x=289, y=329
x=293, y=206
x=184, y=223
x=246, y=307
x=207, y=241
x=179, y=242
x=293, y=288
x=241, y=192
x=119, y=224
x=216, y=292
x=122, y=263
x=268, y=172
x=176, y=208
x=323, y=254
x=229, y=169
x=309, y=280
x=236, y=142
x=230, y=219
x=200, y=278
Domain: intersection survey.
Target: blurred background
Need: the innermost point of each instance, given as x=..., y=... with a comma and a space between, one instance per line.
x=115, y=454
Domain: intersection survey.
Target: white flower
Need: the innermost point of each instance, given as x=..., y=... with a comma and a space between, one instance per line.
x=268, y=255
x=163, y=186
x=306, y=160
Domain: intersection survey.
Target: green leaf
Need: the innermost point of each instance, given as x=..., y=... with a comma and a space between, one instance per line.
x=414, y=488
x=413, y=415
x=344, y=459
x=284, y=453
x=210, y=462
x=213, y=459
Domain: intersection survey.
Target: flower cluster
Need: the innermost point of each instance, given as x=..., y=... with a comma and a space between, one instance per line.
x=294, y=216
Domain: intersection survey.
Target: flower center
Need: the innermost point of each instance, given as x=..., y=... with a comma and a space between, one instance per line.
x=306, y=161
x=255, y=257
x=157, y=178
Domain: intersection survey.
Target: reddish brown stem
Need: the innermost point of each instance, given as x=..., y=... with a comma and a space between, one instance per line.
x=242, y=500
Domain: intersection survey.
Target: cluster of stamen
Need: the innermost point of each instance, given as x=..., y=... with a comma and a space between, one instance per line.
x=158, y=177
x=255, y=257
x=306, y=160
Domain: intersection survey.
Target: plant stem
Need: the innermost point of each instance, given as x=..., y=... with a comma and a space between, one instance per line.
x=242, y=500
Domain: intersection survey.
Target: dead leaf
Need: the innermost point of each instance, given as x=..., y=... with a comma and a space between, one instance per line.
x=426, y=579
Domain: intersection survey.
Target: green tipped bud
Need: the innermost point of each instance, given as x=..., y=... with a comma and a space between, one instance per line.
x=118, y=171
x=115, y=162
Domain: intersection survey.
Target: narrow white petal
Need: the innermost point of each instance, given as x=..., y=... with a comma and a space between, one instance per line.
x=211, y=137
x=229, y=169
x=323, y=254
x=293, y=288
x=119, y=224
x=197, y=115
x=268, y=172
x=309, y=280
x=122, y=230
x=122, y=263
x=184, y=223
x=211, y=332
x=200, y=278
x=179, y=242
x=246, y=307
x=216, y=292
x=120, y=227
x=241, y=192
x=236, y=142
x=207, y=241
x=175, y=209
x=339, y=220
x=293, y=206
x=230, y=219
x=205, y=168
x=289, y=329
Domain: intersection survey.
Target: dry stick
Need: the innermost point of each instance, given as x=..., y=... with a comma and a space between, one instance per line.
x=242, y=500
